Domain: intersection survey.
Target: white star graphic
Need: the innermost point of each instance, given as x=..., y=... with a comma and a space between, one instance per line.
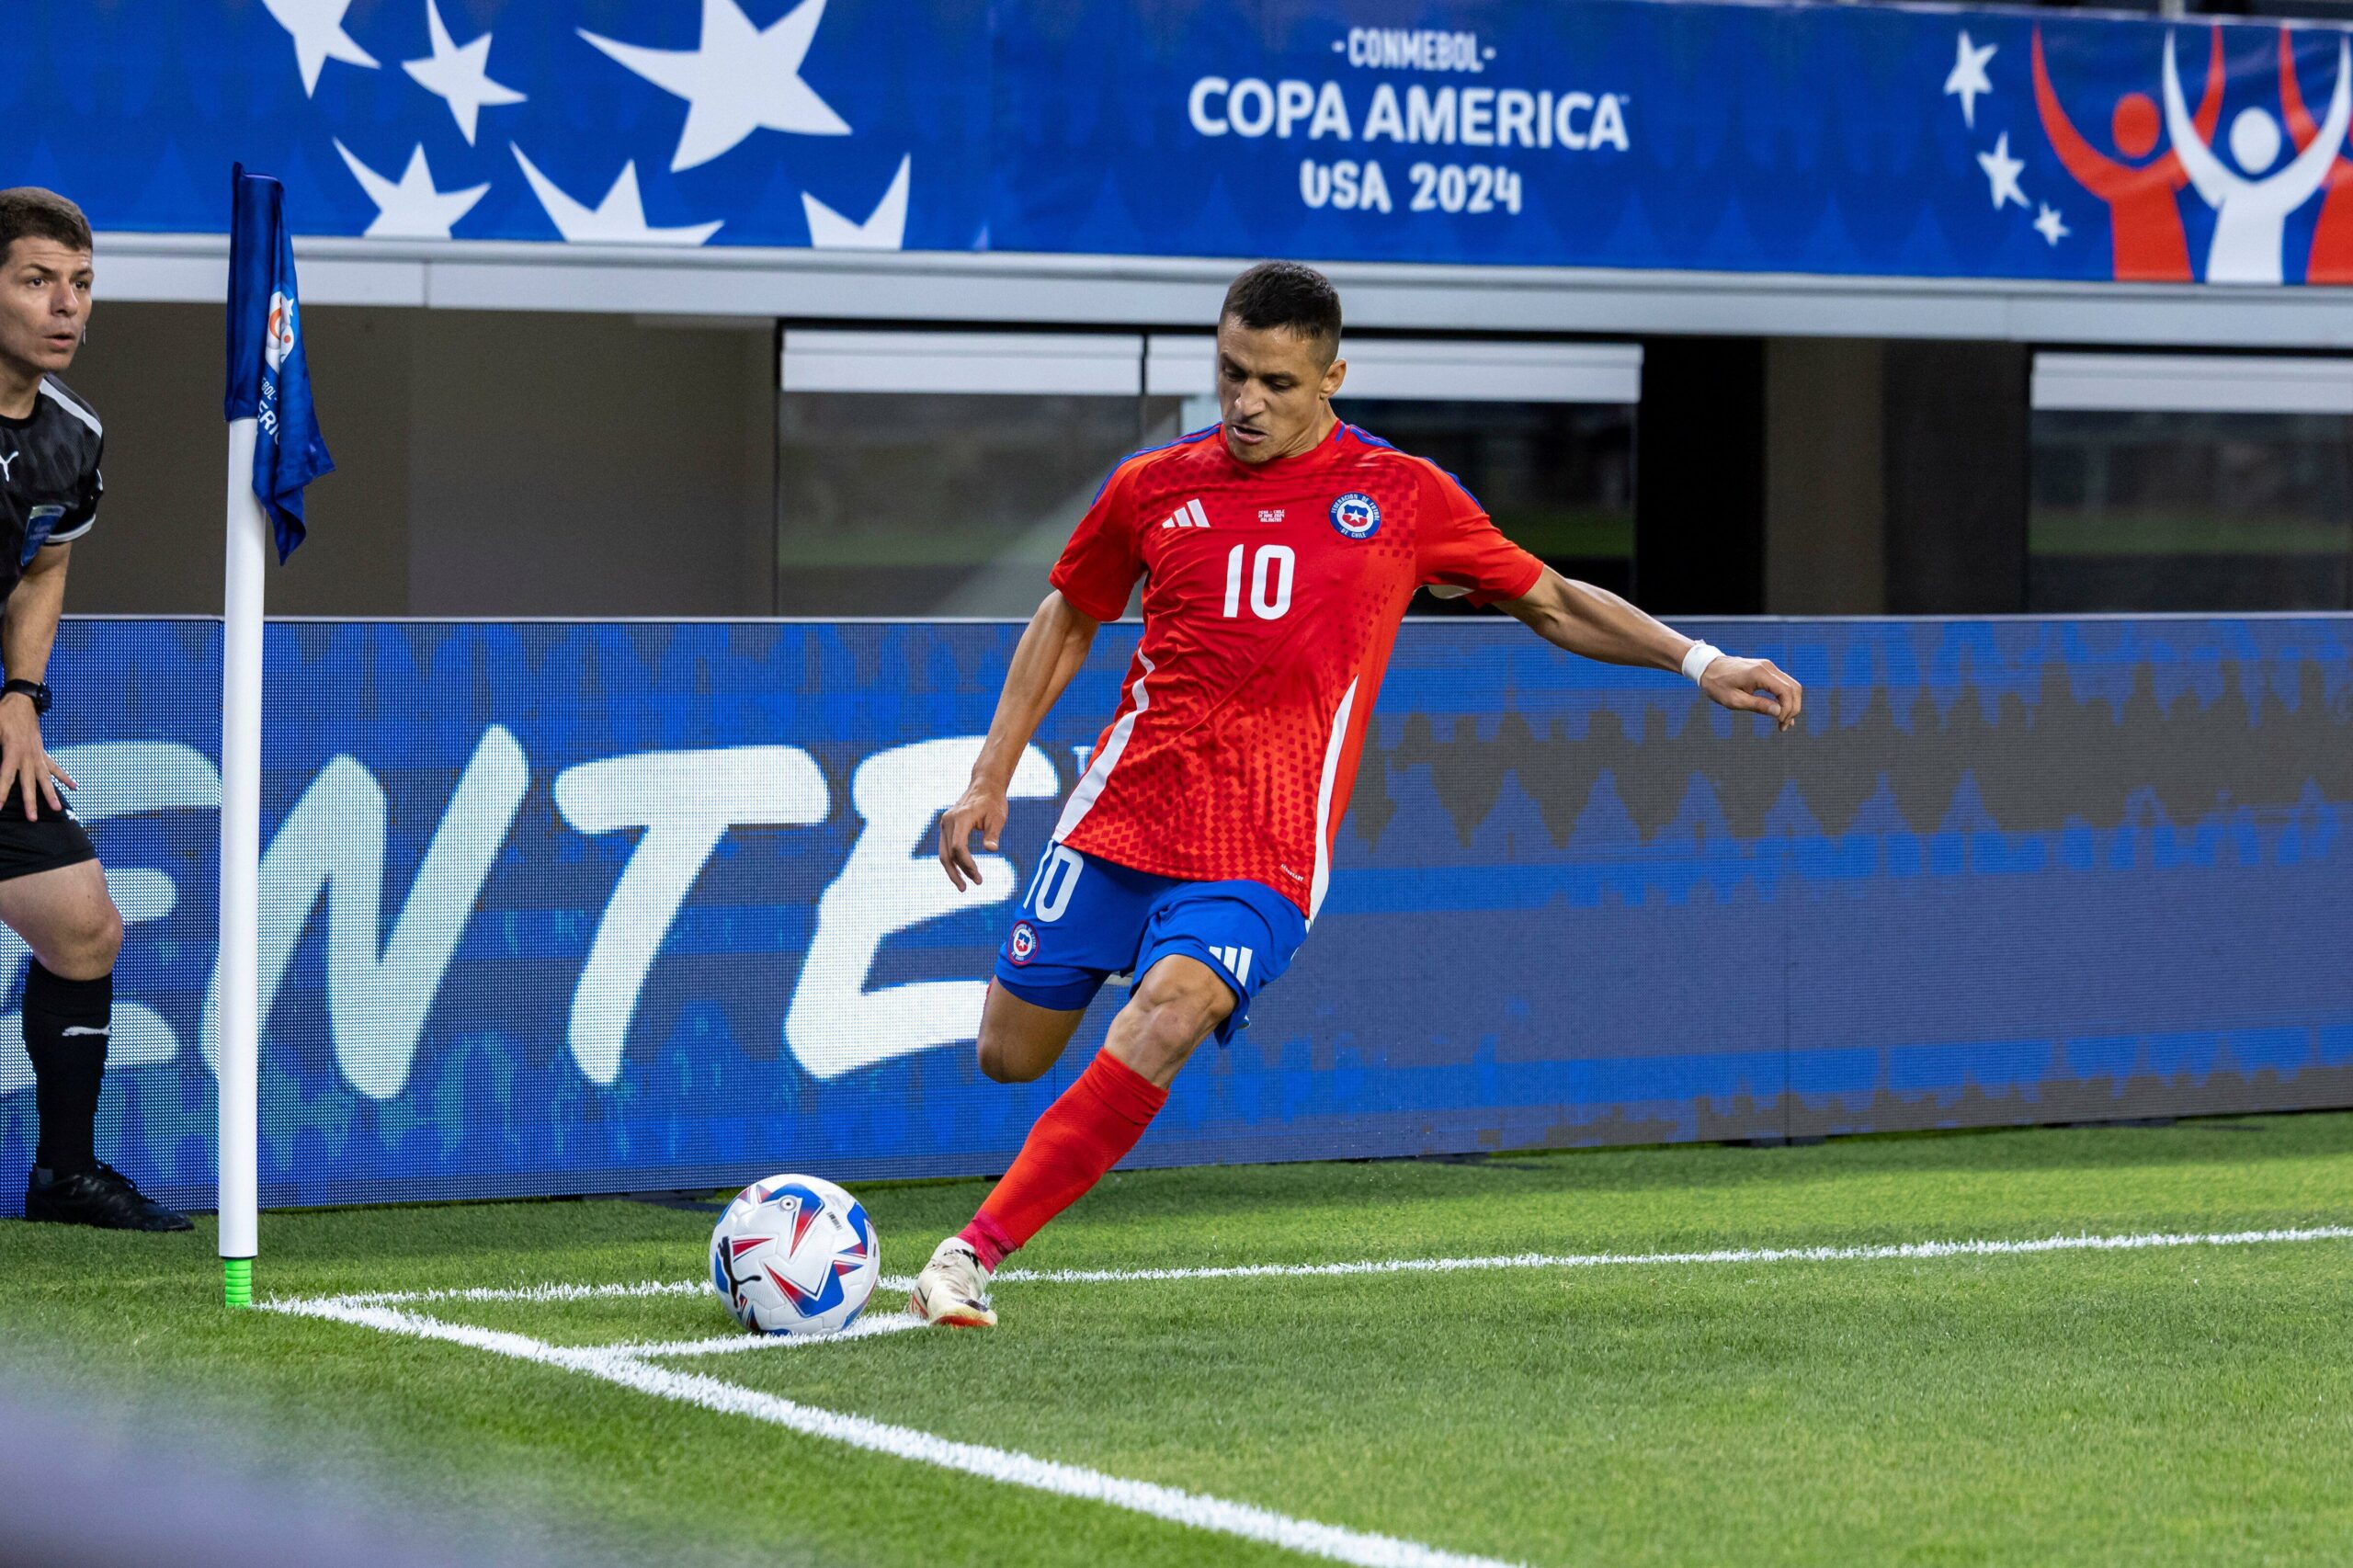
x=412, y=209
x=461, y=77
x=738, y=80
x=884, y=229
x=317, y=27
x=620, y=217
x=1969, y=78
x=2049, y=225
x=2002, y=171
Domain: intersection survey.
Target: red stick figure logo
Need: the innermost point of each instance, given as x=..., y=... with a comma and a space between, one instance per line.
x=2144, y=222
x=2331, y=254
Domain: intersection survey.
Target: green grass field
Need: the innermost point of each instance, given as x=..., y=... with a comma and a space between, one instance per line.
x=2175, y=1403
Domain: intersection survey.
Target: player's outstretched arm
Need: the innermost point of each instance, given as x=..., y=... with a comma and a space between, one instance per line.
x=1049, y=653
x=1597, y=624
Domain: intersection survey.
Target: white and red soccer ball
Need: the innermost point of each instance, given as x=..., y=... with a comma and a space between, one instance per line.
x=795, y=1254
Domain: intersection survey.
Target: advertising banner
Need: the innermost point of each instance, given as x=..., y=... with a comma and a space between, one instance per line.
x=1851, y=140
x=563, y=908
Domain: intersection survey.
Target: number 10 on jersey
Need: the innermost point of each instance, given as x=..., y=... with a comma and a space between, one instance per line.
x=1270, y=577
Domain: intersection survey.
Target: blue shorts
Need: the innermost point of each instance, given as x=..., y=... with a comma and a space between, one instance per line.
x=1084, y=920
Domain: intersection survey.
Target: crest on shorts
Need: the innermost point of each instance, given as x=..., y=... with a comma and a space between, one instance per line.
x=1023, y=946
x=1357, y=515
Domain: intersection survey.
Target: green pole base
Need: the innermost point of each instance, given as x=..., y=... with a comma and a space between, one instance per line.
x=237, y=1282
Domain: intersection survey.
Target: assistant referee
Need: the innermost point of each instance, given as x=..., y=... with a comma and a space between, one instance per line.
x=52, y=890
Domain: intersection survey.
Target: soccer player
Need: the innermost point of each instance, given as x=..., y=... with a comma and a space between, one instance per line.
x=1279, y=548
x=52, y=890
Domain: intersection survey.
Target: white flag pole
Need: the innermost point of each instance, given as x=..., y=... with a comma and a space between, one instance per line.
x=237, y=1063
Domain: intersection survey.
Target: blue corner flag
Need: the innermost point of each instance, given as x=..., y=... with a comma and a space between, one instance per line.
x=270, y=378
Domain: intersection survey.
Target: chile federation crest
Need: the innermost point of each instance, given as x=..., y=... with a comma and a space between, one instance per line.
x=1357, y=515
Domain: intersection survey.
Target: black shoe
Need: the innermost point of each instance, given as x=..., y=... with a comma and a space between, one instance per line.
x=103, y=1197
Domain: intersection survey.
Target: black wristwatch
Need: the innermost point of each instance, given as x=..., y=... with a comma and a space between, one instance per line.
x=33, y=689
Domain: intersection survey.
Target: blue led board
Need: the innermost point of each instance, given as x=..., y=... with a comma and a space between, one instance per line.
x=555, y=908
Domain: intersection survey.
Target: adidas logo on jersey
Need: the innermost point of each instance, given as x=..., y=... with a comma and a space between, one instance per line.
x=1189, y=515
x=1236, y=962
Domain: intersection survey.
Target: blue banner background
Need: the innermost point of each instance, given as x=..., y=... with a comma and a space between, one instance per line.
x=1840, y=140
x=2008, y=872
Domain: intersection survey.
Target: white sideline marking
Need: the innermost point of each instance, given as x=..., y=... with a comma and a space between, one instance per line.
x=1722, y=1254
x=1892, y=1251
x=727, y=1343
x=1169, y=1503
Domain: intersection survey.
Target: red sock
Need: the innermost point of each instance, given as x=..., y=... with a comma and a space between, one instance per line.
x=1082, y=1134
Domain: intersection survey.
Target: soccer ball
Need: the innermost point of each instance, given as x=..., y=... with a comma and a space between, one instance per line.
x=795, y=1254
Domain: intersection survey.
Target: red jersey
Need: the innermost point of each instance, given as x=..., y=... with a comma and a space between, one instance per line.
x=1272, y=596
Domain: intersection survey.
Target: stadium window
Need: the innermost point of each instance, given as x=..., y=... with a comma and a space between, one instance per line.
x=938, y=474
x=2191, y=483
x=1542, y=433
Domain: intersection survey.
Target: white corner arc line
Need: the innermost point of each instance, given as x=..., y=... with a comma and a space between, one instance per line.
x=1192, y=1509
x=558, y=1292
x=1894, y=1251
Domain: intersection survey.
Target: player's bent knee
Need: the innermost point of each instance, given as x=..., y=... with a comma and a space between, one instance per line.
x=97, y=941
x=86, y=946
x=1005, y=1061
x=1018, y=1039
x=106, y=938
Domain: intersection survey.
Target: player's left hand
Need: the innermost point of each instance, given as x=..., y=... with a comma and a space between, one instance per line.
x=26, y=766
x=1753, y=686
x=982, y=809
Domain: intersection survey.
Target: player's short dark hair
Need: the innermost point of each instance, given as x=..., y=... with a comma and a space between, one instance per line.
x=29, y=213
x=1288, y=295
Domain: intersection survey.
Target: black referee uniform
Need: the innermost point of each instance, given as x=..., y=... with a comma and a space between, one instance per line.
x=50, y=487
x=48, y=496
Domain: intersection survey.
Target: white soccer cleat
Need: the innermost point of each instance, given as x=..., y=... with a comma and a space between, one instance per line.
x=953, y=1289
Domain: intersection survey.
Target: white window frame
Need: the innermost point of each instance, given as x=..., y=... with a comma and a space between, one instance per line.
x=1029, y=364
x=2192, y=383
x=1181, y=366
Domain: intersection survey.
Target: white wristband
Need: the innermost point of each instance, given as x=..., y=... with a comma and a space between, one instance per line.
x=1695, y=662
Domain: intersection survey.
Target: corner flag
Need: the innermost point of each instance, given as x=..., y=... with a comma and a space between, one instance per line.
x=274, y=451
x=270, y=376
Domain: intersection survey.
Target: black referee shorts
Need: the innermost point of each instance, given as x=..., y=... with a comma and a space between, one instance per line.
x=55, y=840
